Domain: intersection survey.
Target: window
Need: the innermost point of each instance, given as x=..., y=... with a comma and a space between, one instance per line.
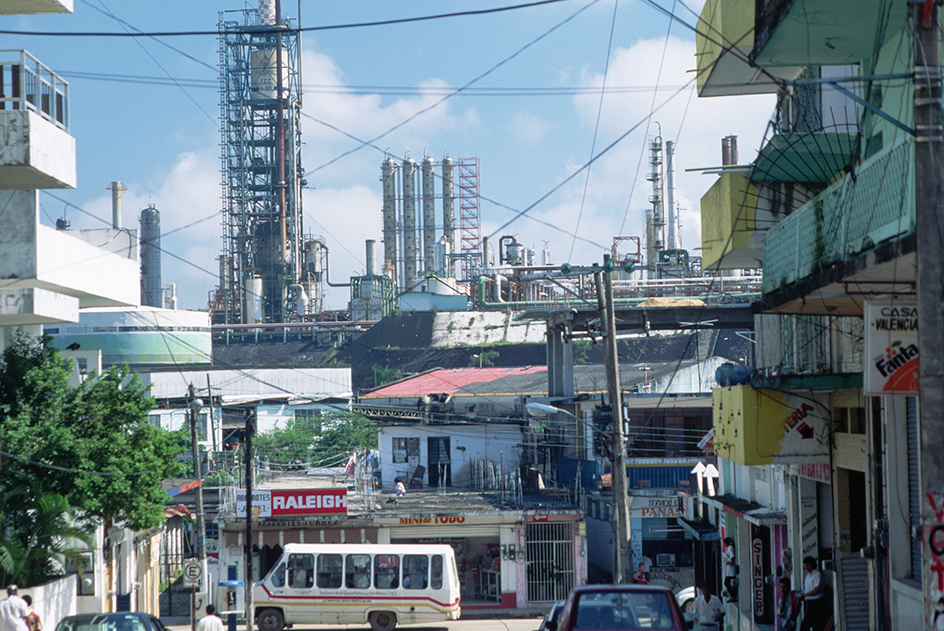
x=301, y=571
x=329, y=571
x=437, y=582
x=85, y=565
x=310, y=419
x=357, y=571
x=415, y=571
x=278, y=576
x=405, y=448
x=387, y=571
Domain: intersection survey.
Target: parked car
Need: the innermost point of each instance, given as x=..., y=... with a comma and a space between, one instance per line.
x=553, y=615
x=685, y=597
x=125, y=621
x=621, y=607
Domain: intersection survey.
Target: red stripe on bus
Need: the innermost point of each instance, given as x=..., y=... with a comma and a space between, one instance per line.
x=358, y=597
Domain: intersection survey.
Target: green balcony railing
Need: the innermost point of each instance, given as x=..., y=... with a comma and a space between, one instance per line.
x=874, y=204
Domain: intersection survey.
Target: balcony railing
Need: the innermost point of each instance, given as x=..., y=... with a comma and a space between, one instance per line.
x=26, y=84
x=854, y=214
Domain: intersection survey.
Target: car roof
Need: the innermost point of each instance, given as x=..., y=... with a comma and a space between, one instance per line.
x=628, y=587
x=89, y=617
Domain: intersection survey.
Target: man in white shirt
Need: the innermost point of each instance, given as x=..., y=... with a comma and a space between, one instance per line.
x=708, y=610
x=730, y=567
x=210, y=622
x=816, y=609
x=13, y=612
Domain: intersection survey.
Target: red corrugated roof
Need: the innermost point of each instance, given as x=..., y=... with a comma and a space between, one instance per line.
x=449, y=381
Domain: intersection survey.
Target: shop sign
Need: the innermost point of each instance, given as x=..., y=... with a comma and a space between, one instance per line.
x=431, y=521
x=891, y=342
x=757, y=575
x=293, y=502
x=656, y=506
x=819, y=471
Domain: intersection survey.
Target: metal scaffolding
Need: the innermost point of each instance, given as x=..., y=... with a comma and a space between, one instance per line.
x=470, y=213
x=269, y=270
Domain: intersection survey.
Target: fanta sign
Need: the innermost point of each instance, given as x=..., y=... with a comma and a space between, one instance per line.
x=891, y=341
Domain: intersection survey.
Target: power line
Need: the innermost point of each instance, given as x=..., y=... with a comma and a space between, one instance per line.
x=276, y=29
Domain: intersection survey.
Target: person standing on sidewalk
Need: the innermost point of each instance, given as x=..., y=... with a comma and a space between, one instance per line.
x=13, y=611
x=210, y=622
x=709, y=612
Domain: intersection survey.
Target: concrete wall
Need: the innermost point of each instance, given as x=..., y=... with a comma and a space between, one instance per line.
x=55, y=600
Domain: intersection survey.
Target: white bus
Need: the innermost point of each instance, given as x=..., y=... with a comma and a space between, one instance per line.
x=383, y=584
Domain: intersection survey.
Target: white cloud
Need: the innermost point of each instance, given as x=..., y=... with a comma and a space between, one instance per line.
x=528, y=128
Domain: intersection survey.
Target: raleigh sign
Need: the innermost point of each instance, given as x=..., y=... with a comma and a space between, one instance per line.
x=293, y=502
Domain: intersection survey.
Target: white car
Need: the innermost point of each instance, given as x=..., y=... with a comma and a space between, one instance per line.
x=685, y=597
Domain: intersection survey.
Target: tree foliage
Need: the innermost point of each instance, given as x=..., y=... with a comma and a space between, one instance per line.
x=89, y=445
x=327, y=440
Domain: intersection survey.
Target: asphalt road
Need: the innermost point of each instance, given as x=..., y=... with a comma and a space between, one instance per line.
x=507, y=624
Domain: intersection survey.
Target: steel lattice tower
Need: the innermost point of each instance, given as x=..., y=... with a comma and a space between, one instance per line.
x=268, y=268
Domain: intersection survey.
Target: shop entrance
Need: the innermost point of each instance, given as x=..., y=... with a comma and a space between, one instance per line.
x=550, y=561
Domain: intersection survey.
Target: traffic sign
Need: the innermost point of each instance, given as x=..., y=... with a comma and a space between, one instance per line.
x=193, y=573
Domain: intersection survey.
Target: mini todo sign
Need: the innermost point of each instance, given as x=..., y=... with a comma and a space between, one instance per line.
x=193, y=574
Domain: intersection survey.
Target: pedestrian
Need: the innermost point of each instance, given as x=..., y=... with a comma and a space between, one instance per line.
x=789, y=609
x=13, y=611
x=640, y=577
x=708, y=610
x=32, y=620
x=730, y=569
x=401, y=489
x=210, y=622
x=815, y=607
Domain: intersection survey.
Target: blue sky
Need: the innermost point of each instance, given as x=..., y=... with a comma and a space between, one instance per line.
x=162, y=140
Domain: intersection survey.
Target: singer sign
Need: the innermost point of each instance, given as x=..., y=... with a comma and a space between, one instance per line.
x=293, y=502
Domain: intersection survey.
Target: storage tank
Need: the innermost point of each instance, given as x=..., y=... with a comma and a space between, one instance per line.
x=264, y=73
x=449, y=210
x=388, y=171
x=429, y=214
x=253, y=311
x=314, y=275
x=152, y=289
x=409, y=222
x=370, y=257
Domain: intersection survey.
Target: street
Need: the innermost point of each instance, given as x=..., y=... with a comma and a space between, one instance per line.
x=506, y=624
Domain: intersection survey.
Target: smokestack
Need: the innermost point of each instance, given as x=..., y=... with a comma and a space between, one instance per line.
x=116, y=188
x=670, y=193
x=266, y=12
x=729, y=150
x=152, y=290
x=371, y=258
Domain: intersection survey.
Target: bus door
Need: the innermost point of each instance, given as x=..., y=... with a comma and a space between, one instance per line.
x=328, y=579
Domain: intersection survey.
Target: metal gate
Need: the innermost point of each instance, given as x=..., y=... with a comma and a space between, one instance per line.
x=174, y=597
x=550, y=554
x=854, y=591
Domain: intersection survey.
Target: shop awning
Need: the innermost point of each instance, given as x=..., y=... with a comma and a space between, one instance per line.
x=699, y=530
x=746, y=510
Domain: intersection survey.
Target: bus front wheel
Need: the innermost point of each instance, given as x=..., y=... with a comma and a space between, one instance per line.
x=383, y=621
x=270, y=620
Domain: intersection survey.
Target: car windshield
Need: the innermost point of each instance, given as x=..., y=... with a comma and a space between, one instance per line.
x=108, y=622
x=623, y=610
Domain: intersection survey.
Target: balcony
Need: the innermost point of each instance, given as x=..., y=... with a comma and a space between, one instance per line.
x=724, y=40
x=760, y=427
x=729, y=235
x=855, y=238
x=37, y=150
x=837, y=32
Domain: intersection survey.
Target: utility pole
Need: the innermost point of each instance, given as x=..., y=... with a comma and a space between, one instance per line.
x=194, y=408
x=621, y=566
x=250, y=428
x=928, y=226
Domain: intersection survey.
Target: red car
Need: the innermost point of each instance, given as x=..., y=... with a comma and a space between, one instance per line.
x=621, y=607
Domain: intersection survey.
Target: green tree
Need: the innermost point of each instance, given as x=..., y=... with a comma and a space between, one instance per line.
x=382, y=375
x=90, y=445
x=327, y=440
x=483, y=358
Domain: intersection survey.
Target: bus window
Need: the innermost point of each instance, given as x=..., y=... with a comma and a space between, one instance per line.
x=301, y=571
x=357, y=571
x=437, y=571
x=278, y=576
x=329, y=571
x=387, y=571
x=415, y=571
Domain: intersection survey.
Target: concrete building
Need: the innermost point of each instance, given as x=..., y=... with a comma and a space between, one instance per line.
x=820, y=453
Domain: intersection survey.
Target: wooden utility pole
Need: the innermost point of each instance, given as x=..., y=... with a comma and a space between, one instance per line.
x=929, y=217
x=622, y=565
x=194, y=406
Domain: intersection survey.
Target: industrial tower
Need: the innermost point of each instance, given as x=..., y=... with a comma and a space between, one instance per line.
x=270, y=271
